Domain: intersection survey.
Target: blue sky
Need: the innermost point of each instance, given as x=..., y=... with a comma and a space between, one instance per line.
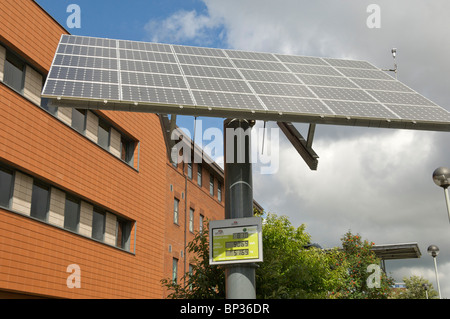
x=118, y=19
x=375, y=182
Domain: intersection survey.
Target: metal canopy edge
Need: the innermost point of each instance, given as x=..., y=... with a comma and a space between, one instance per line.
x=241, y=114
x=397, y=251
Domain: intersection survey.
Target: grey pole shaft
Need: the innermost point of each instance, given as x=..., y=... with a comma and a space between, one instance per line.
x=239, y=278
x=437, y=277
x=447, y=201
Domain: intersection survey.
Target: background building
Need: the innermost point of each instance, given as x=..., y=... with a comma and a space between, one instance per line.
x=87, y=197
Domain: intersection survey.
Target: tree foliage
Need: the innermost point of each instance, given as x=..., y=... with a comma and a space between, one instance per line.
x=292, y=268
x=357, y=283
x=415, y=289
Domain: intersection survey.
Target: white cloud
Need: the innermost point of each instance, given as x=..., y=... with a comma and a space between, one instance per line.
x=358, y=182
x=182, y=26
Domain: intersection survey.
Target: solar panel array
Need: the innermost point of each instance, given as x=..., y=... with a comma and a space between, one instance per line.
x=99, y=73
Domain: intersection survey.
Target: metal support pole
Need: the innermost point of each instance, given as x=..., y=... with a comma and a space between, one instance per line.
x=239, y=278
x=447, y=201
x=437, y=277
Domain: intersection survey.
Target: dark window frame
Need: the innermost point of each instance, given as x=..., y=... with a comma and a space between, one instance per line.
x=219, y=191
x=104, y=125
x=211, y=184
x=201, y=220
x=174, y=270
x=74, y=125
x=127, y=148
x=102, y=214
x=76, y=200
x=123, y=233
x=35, y=211
x=13, y=60
x=11, y=186
x=191, y=219
x=189, y=170
x=199, y=175
x=176, y=211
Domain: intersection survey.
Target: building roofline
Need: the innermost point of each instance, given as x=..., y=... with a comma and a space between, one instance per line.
x=46, y=12
x=167, y=130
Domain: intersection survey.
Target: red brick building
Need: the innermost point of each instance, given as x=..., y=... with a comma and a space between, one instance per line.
x=195, y=193
x=90, y=204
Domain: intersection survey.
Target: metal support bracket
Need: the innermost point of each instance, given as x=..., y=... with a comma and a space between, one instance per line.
x=303, y=147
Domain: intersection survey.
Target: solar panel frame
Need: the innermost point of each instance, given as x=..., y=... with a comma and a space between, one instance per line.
x=152, y=77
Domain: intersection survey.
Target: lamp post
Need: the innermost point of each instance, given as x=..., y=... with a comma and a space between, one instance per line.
x=425, y=287
x=441, y=177
x=433, y=251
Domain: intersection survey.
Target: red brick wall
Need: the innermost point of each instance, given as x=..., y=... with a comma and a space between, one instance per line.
x=30, y=30
x=195, y=197
x=34, y=255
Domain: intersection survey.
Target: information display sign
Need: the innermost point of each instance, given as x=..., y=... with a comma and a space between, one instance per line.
x=235, y=241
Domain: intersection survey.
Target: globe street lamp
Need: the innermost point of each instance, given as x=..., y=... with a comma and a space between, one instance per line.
x=433, y=251
x=441, y=177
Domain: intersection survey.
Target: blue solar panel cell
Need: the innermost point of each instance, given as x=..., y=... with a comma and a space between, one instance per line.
x=301, y=59
x=282, y=104
x=227, y=100
x=210, y=84
x=281, y=89
x=212, y=72
x=350, y=64
x=164, y=96
x=322, y=80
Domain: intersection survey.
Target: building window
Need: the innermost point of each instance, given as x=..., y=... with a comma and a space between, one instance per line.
x=79, y=120
x=14, y=72
x=103, y=134
x=219, y=191
x=199, y=175
x=98, y=224
x=40, y=201
x=174, y=160
x=174, y=270
x=176, y=205
x=123, y=233
x=201, y=223
x=71, y=213
x=127, y=150
x=191, y=220
x=6, y=186
x=211, y=184
x=189, y=170
x=191, y=273
x=50, y=108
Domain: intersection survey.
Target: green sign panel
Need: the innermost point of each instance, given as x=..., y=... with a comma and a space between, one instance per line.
x=235, y=241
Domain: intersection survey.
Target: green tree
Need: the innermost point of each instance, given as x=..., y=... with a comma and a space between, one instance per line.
x=289, y=269
x=358, y=258
x=415, y=289
x=204, y=281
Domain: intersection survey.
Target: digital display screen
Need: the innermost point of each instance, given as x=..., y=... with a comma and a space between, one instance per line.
x=237, y=252
x=233, y=244
x=240, y=235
